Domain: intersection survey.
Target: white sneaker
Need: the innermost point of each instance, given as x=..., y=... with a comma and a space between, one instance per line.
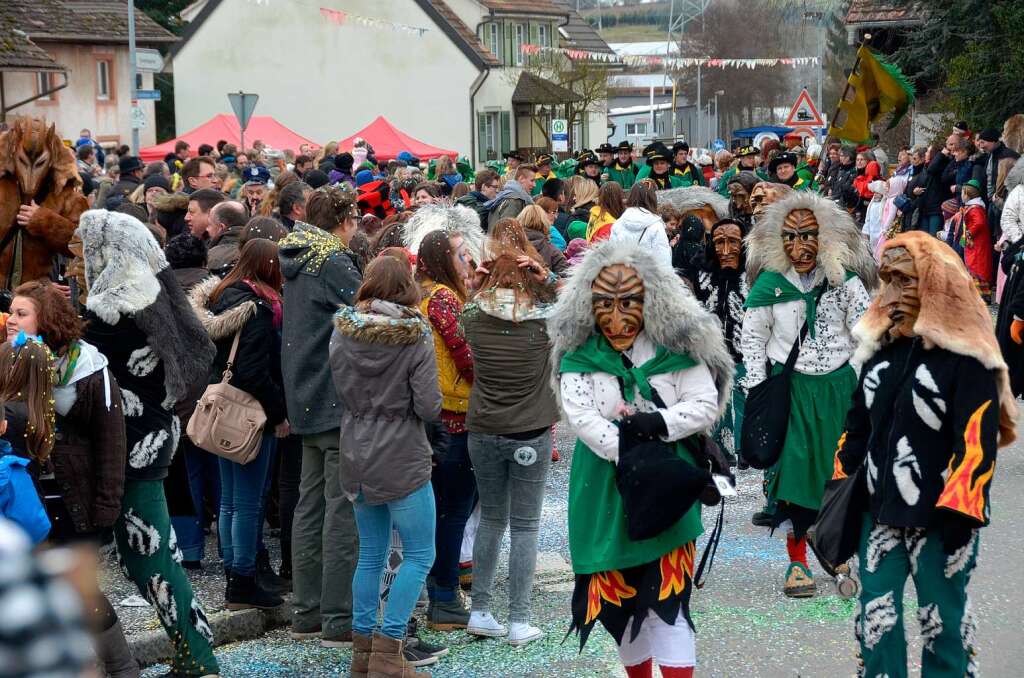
x=484, y=624
x=520, y=633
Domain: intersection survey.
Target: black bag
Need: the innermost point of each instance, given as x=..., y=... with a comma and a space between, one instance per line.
x=835, y=535
x=766, y=419
x=657, y=485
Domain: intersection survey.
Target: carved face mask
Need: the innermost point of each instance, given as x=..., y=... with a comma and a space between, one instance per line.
x=740, y=197
x=764, y=194
x=728, y=242
x=618, y=303
x=800, y=240
x=34, y=155
x=899, y=295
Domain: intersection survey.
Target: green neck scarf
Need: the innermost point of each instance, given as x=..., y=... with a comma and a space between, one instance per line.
x=773, y=288
x=597, y=355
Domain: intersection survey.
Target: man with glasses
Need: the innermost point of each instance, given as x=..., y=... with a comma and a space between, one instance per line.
x=486, y=186
x=199, y=172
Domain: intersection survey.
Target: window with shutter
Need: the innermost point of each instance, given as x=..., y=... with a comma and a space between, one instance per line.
x=506, y=131
x=519, y=41
x=481, y=136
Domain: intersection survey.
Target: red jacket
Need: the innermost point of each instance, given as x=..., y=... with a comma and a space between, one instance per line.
x=871, y=172
x=978, y=242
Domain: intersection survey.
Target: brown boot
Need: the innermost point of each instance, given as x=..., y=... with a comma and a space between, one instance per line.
x=361, y=646
x=386, y=660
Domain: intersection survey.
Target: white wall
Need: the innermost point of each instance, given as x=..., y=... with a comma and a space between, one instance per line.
x=76, y=106
x=327, y=81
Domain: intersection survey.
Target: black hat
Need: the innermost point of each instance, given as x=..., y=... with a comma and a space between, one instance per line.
x=605, y=148
x=129, y=163
x=583, y=152
x=588, y=159
x=783, y=159
x=344, y=161
x=157, y=181
x=256, y=174
x=680, y=146
x=315, y=178
x=512, y=155
x=745, y=151
x=624, y=146
x=989, y=134
x=657, y=151
x=543, y=159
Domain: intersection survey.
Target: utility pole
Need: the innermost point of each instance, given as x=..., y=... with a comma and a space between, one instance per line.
x=689, y=12
x=132, y=75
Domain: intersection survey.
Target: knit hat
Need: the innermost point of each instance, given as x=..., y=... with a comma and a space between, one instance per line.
x=989, y=134
x=344, y=161
x=363, y=177
x=157, y=181
x=315, y=178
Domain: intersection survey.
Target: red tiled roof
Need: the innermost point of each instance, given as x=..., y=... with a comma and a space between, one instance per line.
x=463, y=33
x=884, y=11
x=100, y=21
x=524, y=7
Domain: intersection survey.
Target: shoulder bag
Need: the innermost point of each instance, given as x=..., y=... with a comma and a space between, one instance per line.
x=766, y=419
x=228, y=421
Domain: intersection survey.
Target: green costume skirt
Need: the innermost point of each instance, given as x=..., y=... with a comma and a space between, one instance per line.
x=817, y=414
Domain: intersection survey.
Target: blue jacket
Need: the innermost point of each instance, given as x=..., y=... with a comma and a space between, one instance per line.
x=19, y=501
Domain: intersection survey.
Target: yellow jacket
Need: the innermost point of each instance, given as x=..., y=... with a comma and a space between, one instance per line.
x=442, y=307
x=598, y=220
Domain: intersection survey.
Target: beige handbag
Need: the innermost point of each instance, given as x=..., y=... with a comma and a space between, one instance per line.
x=228, y=421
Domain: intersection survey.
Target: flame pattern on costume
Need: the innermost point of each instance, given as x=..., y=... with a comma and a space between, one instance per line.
x=610, y=586
x=838, y=472
x=676, y=570
x=961, y=493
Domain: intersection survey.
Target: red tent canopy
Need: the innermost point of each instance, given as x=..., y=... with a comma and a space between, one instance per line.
x=225, y=126
x=388, y=141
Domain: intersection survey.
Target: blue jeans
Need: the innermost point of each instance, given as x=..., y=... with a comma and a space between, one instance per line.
x=931, y=223
x=455, y=493
x=260, y=546
x=413, y=517
x=203, y=478
x=241, y=499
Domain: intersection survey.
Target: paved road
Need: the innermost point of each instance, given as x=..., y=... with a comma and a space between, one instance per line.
x=746, y=627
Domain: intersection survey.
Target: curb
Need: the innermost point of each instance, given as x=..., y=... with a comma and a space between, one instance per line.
x=154, y=647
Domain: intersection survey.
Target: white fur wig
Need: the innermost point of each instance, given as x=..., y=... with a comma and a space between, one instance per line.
x=122, y=259
x=694, y=197
x=840, y=245
x=450, y=219
x=672, y=316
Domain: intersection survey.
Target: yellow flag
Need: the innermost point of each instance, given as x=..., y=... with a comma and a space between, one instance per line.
x=877, y=87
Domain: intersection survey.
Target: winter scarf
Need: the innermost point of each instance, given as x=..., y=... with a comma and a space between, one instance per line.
x=271, y=298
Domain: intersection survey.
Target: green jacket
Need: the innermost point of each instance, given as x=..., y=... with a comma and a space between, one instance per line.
x=538, y=183
x=678, y=179
x=625, y=177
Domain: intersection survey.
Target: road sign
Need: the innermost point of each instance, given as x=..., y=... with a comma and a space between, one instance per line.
x=148, y=94
x=803, y=113
x=243, y=104
x=148, y=60
x=559, y=135
x=138, y=117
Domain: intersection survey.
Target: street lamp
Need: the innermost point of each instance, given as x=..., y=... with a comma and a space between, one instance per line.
x=718, y=93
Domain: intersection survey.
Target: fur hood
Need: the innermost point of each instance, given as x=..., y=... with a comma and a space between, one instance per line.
x=171, y=202
x=126, y=274
x=952, y=317
x=1013, y=132
x=672, y=316
x=383, y=323
x=1015, y=177
x=121, y=259
x=454, y=219
x=840, y=246
x=225, y=323
x=694, y=197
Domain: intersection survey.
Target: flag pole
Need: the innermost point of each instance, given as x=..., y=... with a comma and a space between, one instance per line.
x=846, y=90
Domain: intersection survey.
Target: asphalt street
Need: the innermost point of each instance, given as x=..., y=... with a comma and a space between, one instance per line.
x=745, y=626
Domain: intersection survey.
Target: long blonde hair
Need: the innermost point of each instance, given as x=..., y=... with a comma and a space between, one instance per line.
x=28, y=374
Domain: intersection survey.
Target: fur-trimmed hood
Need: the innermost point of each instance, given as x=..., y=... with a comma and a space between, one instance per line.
x=127, y=275
x=225, y=323
x=952, y=317
x=1015, y=177
x=171, y=202
x=450, y=219
x=383, y=323
x=694, y=197
x=840, y=245
x=673, y=318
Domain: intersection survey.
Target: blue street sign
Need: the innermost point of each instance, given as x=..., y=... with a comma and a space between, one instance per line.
x=150, y=94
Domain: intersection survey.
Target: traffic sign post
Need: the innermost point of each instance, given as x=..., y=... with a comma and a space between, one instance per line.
x=243, y=104
x=804, y=115
x=559, y=135
x=138, y=117
x=148, y=94
x=148, y=60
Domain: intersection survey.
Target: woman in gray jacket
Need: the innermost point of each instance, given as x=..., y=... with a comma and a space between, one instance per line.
x=382, y=360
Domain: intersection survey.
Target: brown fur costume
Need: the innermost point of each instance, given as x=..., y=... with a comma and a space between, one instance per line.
x=54, y=186
x=1013, y=132
x=952, y=317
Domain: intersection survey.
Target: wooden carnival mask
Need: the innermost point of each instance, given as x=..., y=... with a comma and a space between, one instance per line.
x=899, y=295
x=740, y=197
x=618, y=303
x=764, y=194
x=800, y=240
x=32, y=150
x=727, y=240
